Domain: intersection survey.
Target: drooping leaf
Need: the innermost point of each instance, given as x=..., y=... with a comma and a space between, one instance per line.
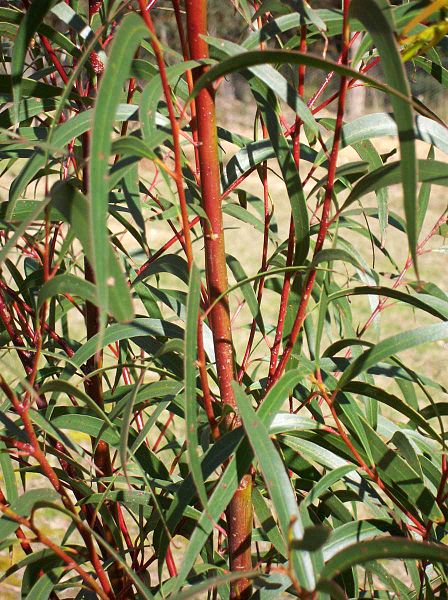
x=128, y=37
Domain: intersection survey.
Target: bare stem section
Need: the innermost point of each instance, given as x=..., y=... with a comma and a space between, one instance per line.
x=239, y=512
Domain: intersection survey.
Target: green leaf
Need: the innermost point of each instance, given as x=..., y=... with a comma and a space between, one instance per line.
x=66, y=284
x=74, y=206
x=351, y=533
x=375, y=16
x=277, y=481
x=45, y=585
x=62, y=135
x=140, y=327
x=35, y=213
x=212, y=583
x=326, y=482
x=126, y=40
x=264, y=515
x=125, y=428
x=271, y=78
x=429, y=171
x=400, y=478
x=290, y=173
x=64, y=387
x=32, y=17
x=23, y=506
x=251, y=155
x=248, y=292
x=229, y=480
x=217, y=503
x=190, y=374
x=393, y=345
x=8, y=475
x=261, y=57
x=331, y=254
x=279, y=393
x=423, y=197
x=378, y=125
x=435, y=307
x=384, y=548
x=37, y=89
x=73, y=19
x=371, y=391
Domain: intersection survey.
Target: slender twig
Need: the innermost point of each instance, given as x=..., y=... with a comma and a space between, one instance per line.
x=324, y=223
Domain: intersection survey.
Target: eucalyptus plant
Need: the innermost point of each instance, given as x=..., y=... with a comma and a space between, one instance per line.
x=222, y=346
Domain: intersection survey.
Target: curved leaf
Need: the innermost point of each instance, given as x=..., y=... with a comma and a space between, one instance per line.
x=128, y=37
x=393, y=345
x=383, y=548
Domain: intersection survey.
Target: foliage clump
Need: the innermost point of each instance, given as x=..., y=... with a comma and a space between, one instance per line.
x=222, y=338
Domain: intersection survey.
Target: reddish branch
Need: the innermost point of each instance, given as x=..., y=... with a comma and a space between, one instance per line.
x=286, y=288
x=324, y=223
x=369, y=469
x=24, y=542
x=264, y=252
x=175, y=129
x=22, y=410
x=239, y=512
x=69, y=561
x=179, y=181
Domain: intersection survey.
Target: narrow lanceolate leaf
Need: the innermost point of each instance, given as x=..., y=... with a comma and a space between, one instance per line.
x=190, y=375
x=128, y=37
x=8, y=475
x=277, y=481
x=67, y=284
x=424, y=195
x=260, y=57
x=273, y=80
x=126, y=426
x=383, y=548
x=371, y=391
x=393, y=345
x=429, y=171
x=197, y=590
x=28, y=27
x=290, y=173
x=24, y=506
x=219, y=499
x=326, y=482
x=74, y=207
x=434, y=306
x=228, y=482
x=74, y=20
x=248, y=291
x=63, y=387
x=353, y=532
x=377, y=125
x=401, y=479
x=278, y=394
x=35, y=213
x=375, y=16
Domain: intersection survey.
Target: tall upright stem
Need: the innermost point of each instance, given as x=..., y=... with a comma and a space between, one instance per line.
x=324, y=222
x=239, y=512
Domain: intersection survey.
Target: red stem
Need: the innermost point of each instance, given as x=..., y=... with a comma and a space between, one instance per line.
x=301, y=314
x=370, y=470
x=239, y=525
x=290, y=252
